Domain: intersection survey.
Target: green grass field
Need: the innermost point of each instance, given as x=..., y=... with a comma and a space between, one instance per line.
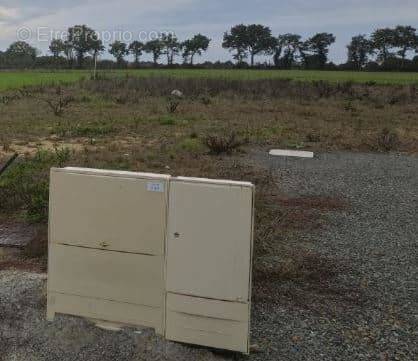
x=14, y=79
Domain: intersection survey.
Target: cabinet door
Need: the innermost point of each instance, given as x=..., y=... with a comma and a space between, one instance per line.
x=106, y=212
x=209, y=240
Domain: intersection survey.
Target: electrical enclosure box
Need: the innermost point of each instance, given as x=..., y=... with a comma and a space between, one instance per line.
x=151, y=250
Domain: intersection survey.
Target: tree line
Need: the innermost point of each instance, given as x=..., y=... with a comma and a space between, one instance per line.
x=83, y=40
x=384, y=49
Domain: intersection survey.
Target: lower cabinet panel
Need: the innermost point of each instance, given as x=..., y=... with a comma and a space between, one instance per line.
x=110, y=286
x=207, y=322
x=123, y=313
x=115, y=276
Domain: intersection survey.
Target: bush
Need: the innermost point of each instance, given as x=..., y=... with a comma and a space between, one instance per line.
x=219, y=144
x=25, y=185
x=58, y=102
x=173, y=103
x=387, y=140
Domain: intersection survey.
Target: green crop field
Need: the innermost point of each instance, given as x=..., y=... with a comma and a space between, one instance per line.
x=301, y=75
x=17, y=79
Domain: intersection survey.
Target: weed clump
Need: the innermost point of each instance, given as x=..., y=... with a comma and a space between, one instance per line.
x=387, y=140
x=59, y=102
x=223, y=144
x=5, y=143
x=8, y=98
x=173, y=103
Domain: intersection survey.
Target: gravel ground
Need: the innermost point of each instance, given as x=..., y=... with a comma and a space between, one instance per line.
x=361, y=305
x=15, y=234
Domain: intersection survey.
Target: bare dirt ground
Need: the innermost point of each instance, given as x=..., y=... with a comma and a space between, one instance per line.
x=351, y=222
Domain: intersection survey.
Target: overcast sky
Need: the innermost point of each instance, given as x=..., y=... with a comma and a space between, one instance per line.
x=344, y=18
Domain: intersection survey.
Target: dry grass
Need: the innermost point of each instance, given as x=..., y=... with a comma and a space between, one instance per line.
x=267, y=113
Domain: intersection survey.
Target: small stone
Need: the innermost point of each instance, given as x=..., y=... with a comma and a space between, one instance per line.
x=296, y=339
x=177, y=93
x=255, y=348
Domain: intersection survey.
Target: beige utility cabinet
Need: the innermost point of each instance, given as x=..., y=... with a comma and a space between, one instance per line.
x=151, y=250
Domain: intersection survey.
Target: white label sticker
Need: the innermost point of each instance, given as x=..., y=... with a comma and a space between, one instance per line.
x=155, y=187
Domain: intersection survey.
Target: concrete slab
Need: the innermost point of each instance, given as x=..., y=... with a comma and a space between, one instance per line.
x=291, y=153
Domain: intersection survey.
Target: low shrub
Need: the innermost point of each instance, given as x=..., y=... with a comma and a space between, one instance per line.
x=387, y=140
x=25, y=185
x=223, y=144
x=58, y=102
x=313, y=137
x=8, y=98
x=5, y=143
x=173, y=103
x=204, y=99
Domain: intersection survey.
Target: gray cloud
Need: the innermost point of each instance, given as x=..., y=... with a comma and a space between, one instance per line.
x=344, y=18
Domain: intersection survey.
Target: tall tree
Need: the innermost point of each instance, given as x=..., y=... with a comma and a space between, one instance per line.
x=154, y=47
x=69, y=52
x=251, y=39
x=259, y=41
x=119, y=50
x=406, y=39
x=236, y=40
x=56, y=47
x=195, y=46
x=288, y=45
x=136, y=48
x=21, y=54
x=97, y=48
x=83, y=40
x=319, y=45
x=171, y=47
x=383, y=40
x=359, y=50
x=22, y=49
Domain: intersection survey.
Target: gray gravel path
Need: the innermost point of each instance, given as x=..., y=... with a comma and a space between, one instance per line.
x=369, y=309
x=362, y=307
